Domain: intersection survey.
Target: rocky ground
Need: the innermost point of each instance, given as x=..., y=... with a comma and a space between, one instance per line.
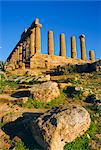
x=24, y=99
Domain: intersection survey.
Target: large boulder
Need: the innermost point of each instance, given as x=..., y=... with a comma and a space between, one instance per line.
x=46, y=91
x=59, y=126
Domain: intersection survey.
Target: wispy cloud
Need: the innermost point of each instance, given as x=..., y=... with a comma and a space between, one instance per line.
x=0, y=46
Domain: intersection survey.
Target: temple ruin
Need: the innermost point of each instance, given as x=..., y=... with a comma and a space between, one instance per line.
x=27, y=52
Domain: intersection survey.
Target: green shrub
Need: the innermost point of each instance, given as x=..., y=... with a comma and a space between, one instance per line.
x=69, y=69
x=38, y=104
x=72, y=93
x=76, y=82
x=93, y=129
x=20, y=146
x=4, y=83
x=32, y=103
x=81, y=143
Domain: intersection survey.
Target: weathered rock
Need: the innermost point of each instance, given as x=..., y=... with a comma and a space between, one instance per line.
x=85, y=93
x=78, y=88
x=46, y=91
x=64, y=85
x=4, y=138
x=59, y=126
x=44, y=78
x=95, y=145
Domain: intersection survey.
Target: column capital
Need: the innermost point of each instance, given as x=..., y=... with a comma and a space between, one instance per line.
x=50, y=31
x=62, y=34
x=18, y=47
x=20, y=44
x=36, y=24
x=73, y=37
x=82, y=36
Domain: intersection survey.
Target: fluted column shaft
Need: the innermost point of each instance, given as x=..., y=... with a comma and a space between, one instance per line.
x=20, y=54
x=32, y=42
x=37, y=39
x=50, y=43
x=91, y=55
x=62, y=45
x=27, y=50
x=73, y=47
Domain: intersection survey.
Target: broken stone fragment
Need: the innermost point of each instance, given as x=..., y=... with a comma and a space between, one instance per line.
x=59, y=126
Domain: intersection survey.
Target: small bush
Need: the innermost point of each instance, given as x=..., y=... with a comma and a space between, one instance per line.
x=81, y=143
x=72, y=93
x=32, y=103
x=38, y=104
x=91, y=98
x=20, y=146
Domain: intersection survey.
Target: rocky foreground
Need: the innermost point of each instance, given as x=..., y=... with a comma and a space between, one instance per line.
x=59, y=126
x=52, y=112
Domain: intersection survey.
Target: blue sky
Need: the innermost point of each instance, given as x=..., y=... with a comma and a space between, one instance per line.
x=68, y=17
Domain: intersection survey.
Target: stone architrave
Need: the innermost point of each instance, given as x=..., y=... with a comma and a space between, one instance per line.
x=50, y=43
x=62, y=45
x=83, y=47
x=73, y=47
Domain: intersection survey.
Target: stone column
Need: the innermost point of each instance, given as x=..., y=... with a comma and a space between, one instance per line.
x=16, y=65
x=91, y=55
x=20, y=54
x=50, y=43
x=24, y=51
x=32, y=46
x=62, y=45
x=83, y=48
x=32, y=42
x=37, y=36
x=27, y=50
x=13, y=60
x=73, y=47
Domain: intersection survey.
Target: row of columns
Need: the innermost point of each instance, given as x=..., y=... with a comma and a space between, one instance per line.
x=73, y=46
x=30, y=44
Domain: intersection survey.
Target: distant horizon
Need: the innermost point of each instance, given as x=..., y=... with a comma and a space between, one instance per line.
x=70, y=18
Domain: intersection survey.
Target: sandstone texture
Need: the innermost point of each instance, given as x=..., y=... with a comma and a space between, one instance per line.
x=59, y=126
x=46, y=91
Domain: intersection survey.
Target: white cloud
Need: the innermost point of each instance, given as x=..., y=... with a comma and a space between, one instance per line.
x=0, y=47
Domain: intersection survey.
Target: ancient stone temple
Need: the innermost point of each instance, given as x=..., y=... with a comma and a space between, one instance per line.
x=27, y=52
